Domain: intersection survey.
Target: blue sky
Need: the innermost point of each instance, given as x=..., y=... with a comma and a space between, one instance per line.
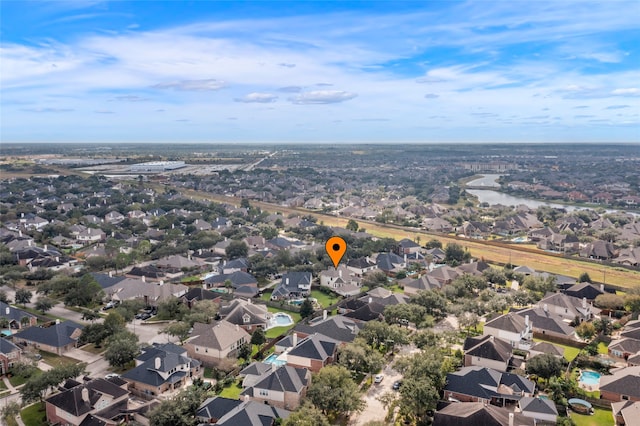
x=371, y=71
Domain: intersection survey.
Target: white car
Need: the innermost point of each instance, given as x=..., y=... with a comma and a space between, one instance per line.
x=378, y=378
x=111, y=376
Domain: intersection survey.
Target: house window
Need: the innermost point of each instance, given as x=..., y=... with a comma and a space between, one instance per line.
x=264, y=392
x=625, y=397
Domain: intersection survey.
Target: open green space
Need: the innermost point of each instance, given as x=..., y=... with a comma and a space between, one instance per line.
x=91, y=348
x=232, y=391
x=274, y=332
x=19, y=380
x=34, y=415
x=56, y=360
x=599, y=418
x=570, y=352
x=324, y=299
x=603, y=348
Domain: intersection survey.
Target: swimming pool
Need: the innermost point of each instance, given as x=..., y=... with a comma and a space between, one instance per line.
x=273, y=359
x=590, y=378
x=280, y=319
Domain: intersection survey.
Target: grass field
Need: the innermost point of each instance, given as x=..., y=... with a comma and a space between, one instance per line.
x=569, y=351
x=19, y=380
x=325, y=299
x=34, y=415
x=600, y=418
x=540, y=261
x=56, y=360
x=603, y=348
x=232, y=391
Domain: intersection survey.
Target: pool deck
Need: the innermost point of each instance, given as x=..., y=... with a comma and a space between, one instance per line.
x=588, y=386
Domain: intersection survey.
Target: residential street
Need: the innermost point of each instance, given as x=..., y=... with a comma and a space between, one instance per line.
x=374, y=409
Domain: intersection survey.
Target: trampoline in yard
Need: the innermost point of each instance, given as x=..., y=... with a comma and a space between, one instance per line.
x=580, y=406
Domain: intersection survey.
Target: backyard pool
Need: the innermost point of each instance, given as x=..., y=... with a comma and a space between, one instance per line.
x=280, y=319
x=273, y=359
x=590, y=378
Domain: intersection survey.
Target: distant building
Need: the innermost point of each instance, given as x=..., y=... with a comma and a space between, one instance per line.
x=157, y=166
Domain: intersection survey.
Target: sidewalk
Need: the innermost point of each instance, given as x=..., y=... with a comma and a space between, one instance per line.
x=9, y=386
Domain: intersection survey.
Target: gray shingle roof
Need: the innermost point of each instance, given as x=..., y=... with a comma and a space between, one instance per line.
x=57, y=335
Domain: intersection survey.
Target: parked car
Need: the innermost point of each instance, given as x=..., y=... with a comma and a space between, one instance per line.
x=111, y=376
x=378, y=378
x=396, y=385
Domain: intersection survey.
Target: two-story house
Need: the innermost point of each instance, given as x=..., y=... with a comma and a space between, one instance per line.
x=212, y=343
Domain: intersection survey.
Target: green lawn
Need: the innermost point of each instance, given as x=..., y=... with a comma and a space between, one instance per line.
x=569, y=351
x=325, y=299
x=91, y=348
x=600, y=418
x=276, y=331
x=34, y=415
x=603, y=348
x=18, y=380
x=233, y=391
x=2, y=385
x=56, y=360
x=396, y=288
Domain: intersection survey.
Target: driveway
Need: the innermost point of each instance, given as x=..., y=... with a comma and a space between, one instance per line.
x=374, y=410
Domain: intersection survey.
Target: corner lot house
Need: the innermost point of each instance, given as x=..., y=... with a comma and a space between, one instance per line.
x=58, y=338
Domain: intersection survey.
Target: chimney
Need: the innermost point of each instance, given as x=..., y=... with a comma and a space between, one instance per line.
x=405, y=258
x=7, y=310
x=294, y=339
x=110, y=274
x=273, y=367
x=237, y=327
x=340, y=273
x=85, y=395
x=57, y=321
x=113, y=234
x=20, y=233
x=58, y=259
x=287, y=281
x=526, y=321
x=545, y=308
x=511, y=418
x=324, y=314
x=46, y=247
x=196, y=221
x=200, y=252
x=584, y=303
x=602, y=288
x=158, y=363
x=144, y=279
x=29, y=242
x=370, y=299
x=22, y=215
x=161, y=282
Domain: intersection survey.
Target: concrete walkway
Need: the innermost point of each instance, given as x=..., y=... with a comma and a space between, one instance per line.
x=9, y=386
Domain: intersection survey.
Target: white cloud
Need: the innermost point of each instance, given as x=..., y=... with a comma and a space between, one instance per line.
x=322, y=97
x=192, y=85
x=631, y=91
x=255, y=97
x=431, y=96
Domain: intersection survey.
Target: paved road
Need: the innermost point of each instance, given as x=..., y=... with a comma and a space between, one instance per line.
x=374, y=409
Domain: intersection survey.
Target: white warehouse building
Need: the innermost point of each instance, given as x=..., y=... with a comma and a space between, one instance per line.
x=157, y=166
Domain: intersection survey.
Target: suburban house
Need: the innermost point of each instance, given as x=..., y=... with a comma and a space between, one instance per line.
x=585, y=290
x=513, y=328
x=151, y=294
x=481, y=384
x=312, y=352
x=337, y=327
x=542, y=410
x=478, y=414
x=161, y=368
x=241, y=283
x=540, y=348
x=599, y=250
x=622, y=385
x=391, y=263
x=444, y=274
x=57, y=338
x=211, y=343
x=198, y=294
x=253, y=372
x=282, y=387
x=569, y=307
x=624, y=348
x=342, y=280
x=293, y=285
x=9, y=354
x=81, y=403
x=487, y=351
x=247, y=315
x=229, y=412
x=545, y=323
x=626, y=413
x=17, y=318
x=424, y=282
x=361, y=265
x=406, y=246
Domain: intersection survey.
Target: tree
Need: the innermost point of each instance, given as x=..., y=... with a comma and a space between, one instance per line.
x=122, y=348
x=258, y=337
x=90, y=315
x=334, y=392
x=269, y=232
x=11, y=410
x=178, y=329
x=632, y=302
x=357, y=356
x=244, y=351
x=352, y=225
x=418, y=395
x=44, y=304
x=455, y=254
x=433, y=243
x=401, y=312
x=586, y=330
x=236, y=249
x=609, y=301
x=374, y=279
x=376, y=333
x=584, y=278
x=23, y=296
x=306, y=415
x=434, y=302
x=306, y=309
x=3, y=297
x=36, y=387
x=94, y=333
x=179, y=411
x=545, y=366
x=245, y=204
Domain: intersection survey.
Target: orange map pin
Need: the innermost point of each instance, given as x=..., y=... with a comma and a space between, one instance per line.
x=336, y=248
